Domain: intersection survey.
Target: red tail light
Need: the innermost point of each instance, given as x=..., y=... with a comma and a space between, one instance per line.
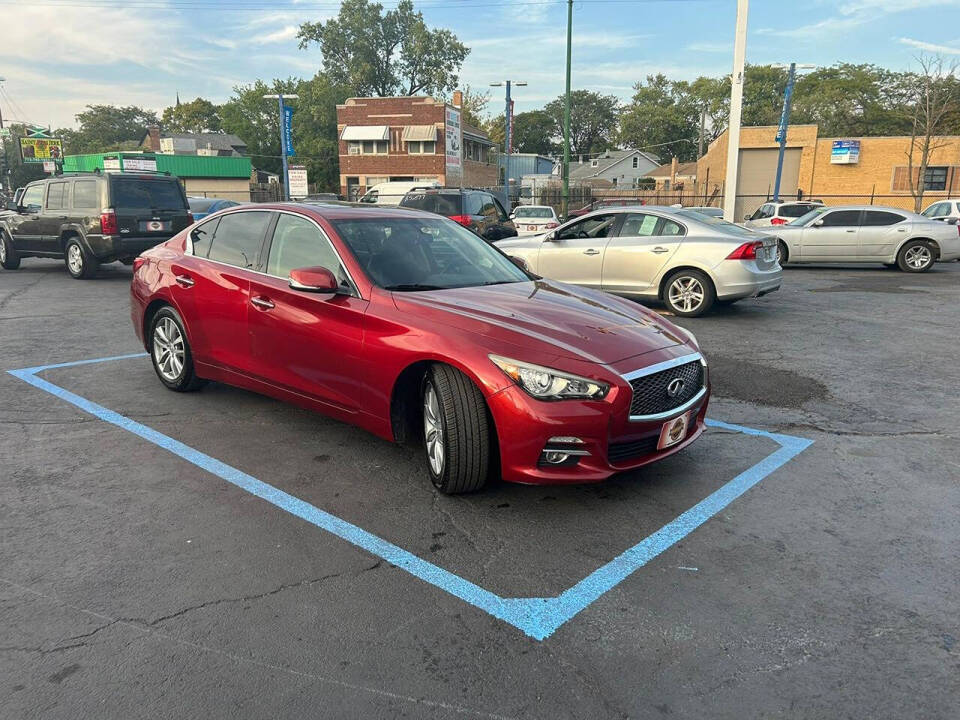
x=108, y=222
x=464, y=220
x=190, y=220
x=777, y=221
x=747, y=251
x=551, y=226
x=138, y=262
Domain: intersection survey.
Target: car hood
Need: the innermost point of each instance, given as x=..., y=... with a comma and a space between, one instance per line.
x=562, y=319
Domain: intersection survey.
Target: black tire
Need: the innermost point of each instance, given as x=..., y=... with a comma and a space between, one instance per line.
x=698, y=284
x=126, y=261
x=80, y=264
x=916, y=256
x=9, y=258
x=783, y=253
x=185, y=378
x=464, y=431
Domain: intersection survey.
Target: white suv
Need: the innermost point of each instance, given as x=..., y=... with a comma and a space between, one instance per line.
x=780, y=213
x=948, y=210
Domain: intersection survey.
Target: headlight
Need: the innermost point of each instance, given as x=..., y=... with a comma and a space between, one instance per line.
x=547, y=384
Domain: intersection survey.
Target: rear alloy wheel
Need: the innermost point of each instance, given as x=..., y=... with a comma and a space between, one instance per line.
x=456, y=431
x=916, y=256
x=783, y=253
x=80, y=264
x=9, y=259
x=170, y=352
x=689, y=293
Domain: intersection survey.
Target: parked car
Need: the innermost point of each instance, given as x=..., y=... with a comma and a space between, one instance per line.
x=322, y=197
x=89, y=219
x=868, y=233
x=534, y=219
x=411, y=327
x=705, y=210
x=948, y=210
x=200, y=207
x=477, y=210
x=391, y=193
x=680, y=257
x=780, y=213
x=606, y=203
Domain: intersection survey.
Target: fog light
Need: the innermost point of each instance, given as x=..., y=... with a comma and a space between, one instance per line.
x=563, y=451
x=552, y=457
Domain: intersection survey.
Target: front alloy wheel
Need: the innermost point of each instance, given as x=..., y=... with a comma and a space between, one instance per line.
x=689, y=293
x=916, y=256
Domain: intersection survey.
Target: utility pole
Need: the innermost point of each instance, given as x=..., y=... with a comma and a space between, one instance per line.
x=736, y=109
x=565, y=200
x=283, y=139
x=785, y=122
x=508, y=133
x=703, y=129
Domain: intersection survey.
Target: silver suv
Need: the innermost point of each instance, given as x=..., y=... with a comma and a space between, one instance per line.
x=780, y=213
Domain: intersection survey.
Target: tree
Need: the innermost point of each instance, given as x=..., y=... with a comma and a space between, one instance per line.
x=533, y=132
x=256, y=120
x=593, y=120
x=106, y=127
x=934, y=105
x=474, y=106
x=385, y=53
x=196, y=116
x=20, y=172
x=663, y=116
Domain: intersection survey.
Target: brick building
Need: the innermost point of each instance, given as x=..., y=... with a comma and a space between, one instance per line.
x=827, y=168
x=410, y=139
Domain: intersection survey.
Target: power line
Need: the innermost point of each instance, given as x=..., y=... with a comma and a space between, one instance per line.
x=259, y=5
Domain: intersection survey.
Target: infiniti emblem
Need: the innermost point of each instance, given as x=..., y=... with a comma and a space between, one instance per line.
x=675, y=387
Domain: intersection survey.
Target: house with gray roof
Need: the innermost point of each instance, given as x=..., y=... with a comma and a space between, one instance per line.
x=619, y=168
x=216, y=144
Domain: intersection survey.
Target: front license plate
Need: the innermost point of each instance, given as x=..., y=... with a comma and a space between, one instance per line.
x=673, y=431
x=154, y=225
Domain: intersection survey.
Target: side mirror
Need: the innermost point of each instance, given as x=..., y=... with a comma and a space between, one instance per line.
x=313, y=279
x=746, y=218
x=816, y=223
x=520, y=263
x=513, y=216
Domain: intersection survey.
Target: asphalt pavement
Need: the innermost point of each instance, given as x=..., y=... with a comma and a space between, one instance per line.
x=142, y=581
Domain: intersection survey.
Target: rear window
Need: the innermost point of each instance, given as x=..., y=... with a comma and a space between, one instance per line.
x=442, y=204
x=153, y=194
x=533, y=212
x=795, y=211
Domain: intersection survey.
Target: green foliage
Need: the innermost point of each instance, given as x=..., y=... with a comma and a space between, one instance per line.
x=385, y=53
x=106, y=127
x=474, y=106
x=664, y=117
x=533, y=132
x=20, y=173
x=593, y=120
x=196, y=116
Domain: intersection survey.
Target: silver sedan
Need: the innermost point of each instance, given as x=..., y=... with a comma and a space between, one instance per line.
x=680, y=257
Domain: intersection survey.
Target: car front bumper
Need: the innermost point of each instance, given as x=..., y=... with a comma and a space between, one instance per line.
x=611, y=442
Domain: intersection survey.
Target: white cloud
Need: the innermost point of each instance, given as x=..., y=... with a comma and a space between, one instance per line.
x=853, y=14
x=929, y=47
x=284, y=34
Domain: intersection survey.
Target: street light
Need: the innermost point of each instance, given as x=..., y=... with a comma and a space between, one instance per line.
x=283, y=138
x=785, y=119
x=508, y=131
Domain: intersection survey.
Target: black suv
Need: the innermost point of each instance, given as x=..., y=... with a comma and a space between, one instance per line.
x=478, y=210
x=88, y=219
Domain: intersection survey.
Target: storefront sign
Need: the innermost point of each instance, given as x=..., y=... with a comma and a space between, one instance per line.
x=454, y=147
x=845, y=152
x=38, y=150
x=298, y=181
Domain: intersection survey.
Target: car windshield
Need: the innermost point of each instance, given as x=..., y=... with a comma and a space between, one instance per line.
x=413, y=254
x=201, y=204
x=533, y=212
x=717, y=223
x=807, y=217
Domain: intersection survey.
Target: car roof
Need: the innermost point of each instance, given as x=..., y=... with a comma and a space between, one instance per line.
x=338, y=210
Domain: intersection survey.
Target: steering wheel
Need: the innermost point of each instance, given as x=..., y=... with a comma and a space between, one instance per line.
x=582, y=235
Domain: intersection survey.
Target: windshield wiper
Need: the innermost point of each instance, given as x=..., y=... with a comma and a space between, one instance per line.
x=413, y=287
x=501, y=282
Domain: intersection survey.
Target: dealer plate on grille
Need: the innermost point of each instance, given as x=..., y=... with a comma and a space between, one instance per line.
x=154, y=225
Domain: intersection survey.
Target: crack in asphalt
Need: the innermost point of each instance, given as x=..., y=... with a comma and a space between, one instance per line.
x=20, y=291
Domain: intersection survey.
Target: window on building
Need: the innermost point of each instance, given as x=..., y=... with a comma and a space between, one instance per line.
x=935, y=178
x=422, y=147
x=636, y=162
x=368, y=147
x=594, y=163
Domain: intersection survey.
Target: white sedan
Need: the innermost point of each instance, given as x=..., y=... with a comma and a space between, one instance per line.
x=534, y=219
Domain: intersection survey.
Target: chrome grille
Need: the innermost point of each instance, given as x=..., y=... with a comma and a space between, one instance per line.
x=650, y=396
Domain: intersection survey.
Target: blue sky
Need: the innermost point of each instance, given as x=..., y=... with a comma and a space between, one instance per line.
x=59, y=55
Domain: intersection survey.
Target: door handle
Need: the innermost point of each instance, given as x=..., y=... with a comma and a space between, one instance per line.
x=184, y=281
x=658, y=250
x=591, y=251
x=851, y=230
x=901, y=229
x=262, y=303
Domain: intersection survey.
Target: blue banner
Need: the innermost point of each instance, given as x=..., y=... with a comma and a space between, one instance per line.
x=288, y=131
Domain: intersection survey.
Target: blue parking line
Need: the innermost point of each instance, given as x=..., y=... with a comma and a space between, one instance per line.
x=539, y=618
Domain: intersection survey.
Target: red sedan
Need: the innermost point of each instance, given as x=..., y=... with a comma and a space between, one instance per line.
x=412, y=327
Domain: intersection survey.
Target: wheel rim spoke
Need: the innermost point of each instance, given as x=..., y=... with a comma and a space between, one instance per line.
x=433, y=430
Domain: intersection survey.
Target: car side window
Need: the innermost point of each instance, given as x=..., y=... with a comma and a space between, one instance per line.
x=201, y=237
x=473, y=204
x=841, y=218
x=32, y=199
x=764, y=211
x=298, y=243
x=669, y=228
x=639, y=225
x=85, y=194
x=489, y=209
x=56, y=196
x=238, y=238
x=934, y=210
x=501, y=213
x=599, y=226
x=877, y=218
